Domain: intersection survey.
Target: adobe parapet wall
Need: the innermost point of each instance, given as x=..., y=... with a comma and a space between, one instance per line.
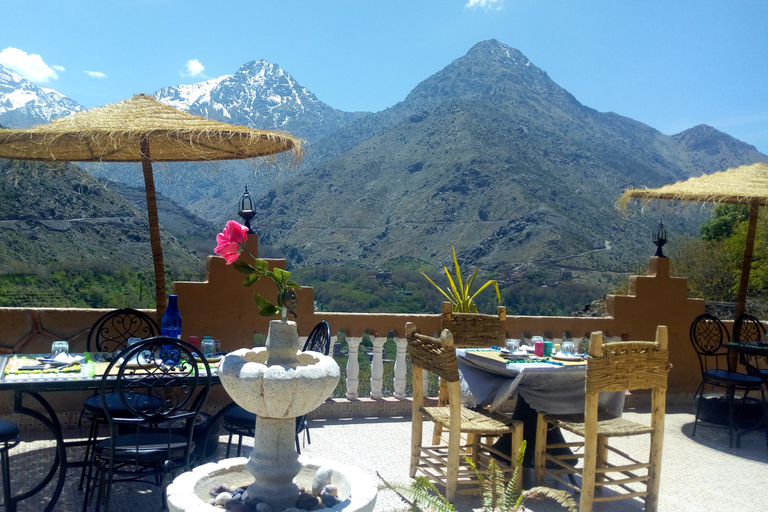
x=221, y=307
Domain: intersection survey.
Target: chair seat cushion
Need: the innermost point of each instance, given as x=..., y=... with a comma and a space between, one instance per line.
x=239, y=417
x=8, y=431
x=608, y=425
x=472, y=421
x=93, y=406
x=729, y=378
x=151, y=448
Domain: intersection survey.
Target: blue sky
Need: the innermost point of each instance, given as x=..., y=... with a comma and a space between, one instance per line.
x=670, y=64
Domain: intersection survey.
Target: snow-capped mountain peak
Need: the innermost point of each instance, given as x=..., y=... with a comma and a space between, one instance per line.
x=23, y=104
x=183, y=96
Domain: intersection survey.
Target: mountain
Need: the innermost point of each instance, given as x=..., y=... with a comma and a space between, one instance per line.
x=493, y=156
x=260, y=95
x=61, y=214
x=23, y=104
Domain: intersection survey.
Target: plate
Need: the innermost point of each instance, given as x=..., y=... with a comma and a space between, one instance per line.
x=215, y=358
x=561, y=357
x=53, y=363
x=528, y=348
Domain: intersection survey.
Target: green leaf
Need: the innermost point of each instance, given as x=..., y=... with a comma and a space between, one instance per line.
x=293, y=284
x=281, y=274
x=251, y=279
x=243, y=267
x=261, y=265
x=261, y=301
x=269, y=310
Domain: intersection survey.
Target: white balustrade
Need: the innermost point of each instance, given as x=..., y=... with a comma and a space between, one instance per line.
x=400, y=368
x=353, y=367
x=377, y=366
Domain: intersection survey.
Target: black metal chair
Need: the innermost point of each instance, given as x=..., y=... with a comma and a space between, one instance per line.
x=241, y=423
x=162, y=384
x=708, y=334
x=748, y=329
x=110, y=334
x=9, y=437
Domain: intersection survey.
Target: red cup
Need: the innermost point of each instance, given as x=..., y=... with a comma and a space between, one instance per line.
x=538, y=348
x=194, y=341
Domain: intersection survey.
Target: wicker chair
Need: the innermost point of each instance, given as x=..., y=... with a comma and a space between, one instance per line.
x=443, y=463
x=616, y=366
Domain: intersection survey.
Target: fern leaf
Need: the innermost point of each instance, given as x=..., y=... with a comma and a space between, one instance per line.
x=563, y=498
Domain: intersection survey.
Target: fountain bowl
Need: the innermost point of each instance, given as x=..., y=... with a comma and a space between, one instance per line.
x=189, y=492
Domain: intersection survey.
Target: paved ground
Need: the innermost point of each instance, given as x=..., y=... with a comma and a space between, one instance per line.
x=699, y=473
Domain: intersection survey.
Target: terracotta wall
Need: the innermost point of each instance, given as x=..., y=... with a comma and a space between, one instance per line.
x=223, y=308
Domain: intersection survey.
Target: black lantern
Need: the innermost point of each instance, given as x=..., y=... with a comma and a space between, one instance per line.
x=659, y=239
x=246, y=209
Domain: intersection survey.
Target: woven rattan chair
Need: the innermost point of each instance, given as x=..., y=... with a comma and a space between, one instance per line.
x=708, y=334
x=619, y=366
x=443, y=463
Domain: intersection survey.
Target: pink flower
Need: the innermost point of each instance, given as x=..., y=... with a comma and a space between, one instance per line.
x=230, y=240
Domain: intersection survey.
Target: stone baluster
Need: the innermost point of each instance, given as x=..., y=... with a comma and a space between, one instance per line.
x=377, y=366
x=353, y=367
x=400, y=368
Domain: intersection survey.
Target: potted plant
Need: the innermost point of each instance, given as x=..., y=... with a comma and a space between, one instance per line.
x=459, y=293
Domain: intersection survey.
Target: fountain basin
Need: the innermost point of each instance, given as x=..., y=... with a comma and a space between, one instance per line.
x=189, y=492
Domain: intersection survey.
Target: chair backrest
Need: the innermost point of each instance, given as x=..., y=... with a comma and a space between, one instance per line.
x=160, y=381
x=473, y=329
x=111, y=332
x=748, y=329
x=319, y=339
x=627, y=365
x=707, y=337
x=436, y=355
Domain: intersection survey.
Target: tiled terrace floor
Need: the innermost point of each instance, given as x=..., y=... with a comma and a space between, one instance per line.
x=698, y=474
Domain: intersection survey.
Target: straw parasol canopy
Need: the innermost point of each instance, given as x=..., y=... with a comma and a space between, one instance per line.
x=747, y=185
x=144, y=130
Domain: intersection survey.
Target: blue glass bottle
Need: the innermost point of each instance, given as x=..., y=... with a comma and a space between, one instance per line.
x=170, y=326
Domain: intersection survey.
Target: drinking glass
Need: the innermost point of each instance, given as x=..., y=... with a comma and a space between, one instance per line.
x=513, y=345
x=568, y=349
x=59, y=347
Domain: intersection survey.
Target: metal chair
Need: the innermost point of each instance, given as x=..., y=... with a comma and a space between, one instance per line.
x=162, y=384
x=9, y=437
x=442, y=462
x=110, y=334
x=708, y=334
x=620, y=366
x=241, y=423
x=748, y=329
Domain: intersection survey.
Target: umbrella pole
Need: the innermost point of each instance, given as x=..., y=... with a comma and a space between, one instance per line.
x=154, y=228
x=746, y=266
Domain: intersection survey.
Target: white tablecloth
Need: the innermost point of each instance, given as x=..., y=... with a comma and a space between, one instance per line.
x=546, y=387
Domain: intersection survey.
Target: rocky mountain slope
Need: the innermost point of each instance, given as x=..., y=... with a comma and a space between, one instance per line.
x=61, y=214
x=493, y=156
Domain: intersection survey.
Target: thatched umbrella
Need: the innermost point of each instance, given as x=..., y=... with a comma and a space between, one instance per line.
x=747, y=184
x=144, y=130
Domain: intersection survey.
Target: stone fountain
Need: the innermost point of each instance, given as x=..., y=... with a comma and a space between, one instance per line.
x=277, y=383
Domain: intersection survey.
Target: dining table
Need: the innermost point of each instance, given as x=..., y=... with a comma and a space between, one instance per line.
x=17, y=374
x=489, y=377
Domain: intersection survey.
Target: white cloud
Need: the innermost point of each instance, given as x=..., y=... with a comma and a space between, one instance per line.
x=58, y=68
x=95, y=74
x=30, y=66
x=489, y=5
x=193, y=67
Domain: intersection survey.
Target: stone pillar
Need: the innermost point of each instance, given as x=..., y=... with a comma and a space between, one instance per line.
x=353, y=367
x=377, y=366
x=400, y=368
x=274, y=462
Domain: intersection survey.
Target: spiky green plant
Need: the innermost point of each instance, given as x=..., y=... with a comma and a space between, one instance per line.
x=421, y=495
x=459, y=293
